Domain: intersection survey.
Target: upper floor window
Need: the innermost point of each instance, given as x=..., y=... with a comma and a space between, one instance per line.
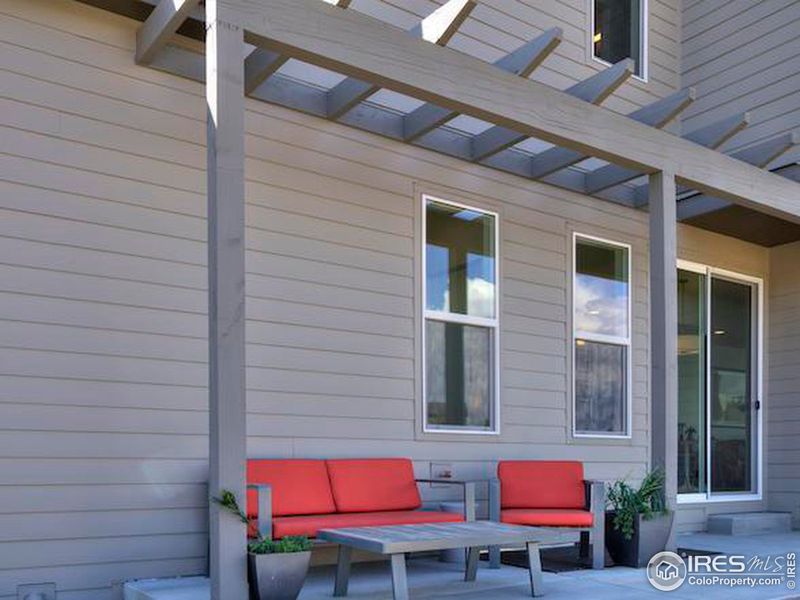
x=618, y=32
x=460, y=349
x=601, y=321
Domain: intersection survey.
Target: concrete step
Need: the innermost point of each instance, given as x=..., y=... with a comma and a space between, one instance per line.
x=749, y=523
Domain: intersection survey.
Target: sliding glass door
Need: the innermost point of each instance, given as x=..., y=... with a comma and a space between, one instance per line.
x=718, y=383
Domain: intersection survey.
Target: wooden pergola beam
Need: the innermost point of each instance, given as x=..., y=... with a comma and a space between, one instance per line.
x=594, y=90
x=759, y=155
x=522, y=62
x=261, y=64
x=658, y=114
x=711, y=136
x=160, y=26
x=437, y=28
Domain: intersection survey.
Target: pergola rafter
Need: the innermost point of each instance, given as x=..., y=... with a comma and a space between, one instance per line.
x=522, y=61
x=658, y=115
x=160, y=26
x=437, y=28
x=711, y=136
x=594, y=90
x=759, y=155
x=427, y=125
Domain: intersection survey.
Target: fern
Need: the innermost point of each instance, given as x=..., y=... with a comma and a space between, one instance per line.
x=628, y=502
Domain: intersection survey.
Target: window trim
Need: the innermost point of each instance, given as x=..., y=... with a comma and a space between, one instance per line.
x=644, y=40
x=627, y=342
x=462, y=319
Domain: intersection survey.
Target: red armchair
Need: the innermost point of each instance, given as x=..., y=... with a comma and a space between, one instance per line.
x=549, y=494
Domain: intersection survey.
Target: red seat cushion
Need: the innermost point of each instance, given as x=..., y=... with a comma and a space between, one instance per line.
x=541, y=484
x=547, y=517
x=310, y=524
x=299, y=487
x=373, y=484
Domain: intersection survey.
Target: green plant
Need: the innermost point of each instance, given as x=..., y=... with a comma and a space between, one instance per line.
x=628, y=502
x=290, y=543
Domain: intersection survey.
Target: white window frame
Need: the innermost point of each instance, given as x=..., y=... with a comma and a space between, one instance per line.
x=448, y=317
x=643, y=39
x=594, y=337
x=707, y=497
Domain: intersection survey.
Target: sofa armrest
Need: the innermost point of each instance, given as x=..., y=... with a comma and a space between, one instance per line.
x=468, y=491
x=494, y=500
x=596, y=498
x=264, y=503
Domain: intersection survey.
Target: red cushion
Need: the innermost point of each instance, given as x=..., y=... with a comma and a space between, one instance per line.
x=541, y=484
x=547, y=517
x=310, y=524
x=299, y=487
x=373, y=484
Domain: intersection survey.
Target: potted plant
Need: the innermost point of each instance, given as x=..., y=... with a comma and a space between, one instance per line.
x=638, y=526
x=276, y=569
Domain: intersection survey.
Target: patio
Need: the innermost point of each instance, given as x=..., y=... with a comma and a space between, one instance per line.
x=429, y=578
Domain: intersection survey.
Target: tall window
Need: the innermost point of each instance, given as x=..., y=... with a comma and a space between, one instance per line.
x=601, y=337
x=618, y=32
x=460, y=317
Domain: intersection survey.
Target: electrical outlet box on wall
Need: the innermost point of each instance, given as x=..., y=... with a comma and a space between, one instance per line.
x=441, y=470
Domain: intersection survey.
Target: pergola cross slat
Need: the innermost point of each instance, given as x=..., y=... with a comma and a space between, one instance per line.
x=160, y=26
x=437, y=28
x=522, y=62
x=759, y=155
x=711, y=136
x=594, y=89
x=657, y=114
x=261, y=64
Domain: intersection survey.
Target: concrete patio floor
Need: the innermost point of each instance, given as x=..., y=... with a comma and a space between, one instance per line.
x=429, y=578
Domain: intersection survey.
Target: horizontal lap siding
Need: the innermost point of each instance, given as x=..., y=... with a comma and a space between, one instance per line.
x=103, y=401
x=744, y=56
x=783, y=411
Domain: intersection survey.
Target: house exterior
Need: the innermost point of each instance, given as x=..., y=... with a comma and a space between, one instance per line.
x=399, y=301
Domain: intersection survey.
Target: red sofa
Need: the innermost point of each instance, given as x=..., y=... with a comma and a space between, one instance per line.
x=549, y=494
x=301, y=496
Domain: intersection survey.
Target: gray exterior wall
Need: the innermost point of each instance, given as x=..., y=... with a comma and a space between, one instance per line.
x=783, y=456
x=103, y=420
x=743, y=55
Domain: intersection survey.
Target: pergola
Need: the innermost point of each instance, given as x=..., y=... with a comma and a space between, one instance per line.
x=374, y=55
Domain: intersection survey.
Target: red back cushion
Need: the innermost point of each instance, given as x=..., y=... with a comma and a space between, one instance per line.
x=299, y=487
x=370, y=484
x=541, y=484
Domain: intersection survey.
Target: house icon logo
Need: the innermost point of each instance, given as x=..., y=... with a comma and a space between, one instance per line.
x=666, y=571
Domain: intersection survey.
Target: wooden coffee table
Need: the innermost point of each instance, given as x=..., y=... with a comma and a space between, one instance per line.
x=397, y=540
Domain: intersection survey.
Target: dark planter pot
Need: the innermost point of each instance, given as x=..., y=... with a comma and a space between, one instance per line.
x=277, y=576
x=649, y=538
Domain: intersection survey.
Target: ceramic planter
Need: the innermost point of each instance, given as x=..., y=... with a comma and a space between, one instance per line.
x=649, y=538
x=278, y=576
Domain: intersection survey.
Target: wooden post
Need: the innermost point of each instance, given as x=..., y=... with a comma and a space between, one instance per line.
x=226, y=299
x=664, y=333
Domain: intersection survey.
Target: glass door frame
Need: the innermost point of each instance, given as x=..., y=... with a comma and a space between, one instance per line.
x=758, y=384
